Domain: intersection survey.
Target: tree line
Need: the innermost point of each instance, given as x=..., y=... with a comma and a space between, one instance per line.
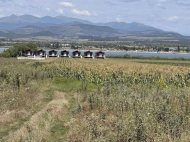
x=17, y=48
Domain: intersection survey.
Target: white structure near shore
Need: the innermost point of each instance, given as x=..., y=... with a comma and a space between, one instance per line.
x=31, y=58
x=41, y=54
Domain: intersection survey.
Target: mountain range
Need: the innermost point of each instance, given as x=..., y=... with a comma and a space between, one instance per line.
x=30, y=26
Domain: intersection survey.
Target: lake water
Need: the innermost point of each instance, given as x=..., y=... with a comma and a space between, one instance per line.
x=2, y=49
x=144, y=54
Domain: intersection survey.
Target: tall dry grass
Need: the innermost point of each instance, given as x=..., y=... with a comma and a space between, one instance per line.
x=136, y=113
x=133, y=102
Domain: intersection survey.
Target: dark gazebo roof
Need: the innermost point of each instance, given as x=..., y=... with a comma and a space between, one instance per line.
x=88, y=51
x=29, y=50
x=100, y=52
x=41, y=50
x=64, y=51
x=76, y=51
x=52, y=51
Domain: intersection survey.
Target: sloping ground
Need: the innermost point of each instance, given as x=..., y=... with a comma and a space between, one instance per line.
x=39, y=127
x=51, y=100
x=69, y=30
x=45, y=117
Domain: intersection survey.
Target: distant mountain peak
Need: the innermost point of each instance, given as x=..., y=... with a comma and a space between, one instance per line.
x=28, y=15
x=71, y=27
x=134, y=26
x=47, y=17
x=60, y=16
x=13, y=15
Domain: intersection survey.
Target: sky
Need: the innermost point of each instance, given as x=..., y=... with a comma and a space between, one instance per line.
x=169, y=15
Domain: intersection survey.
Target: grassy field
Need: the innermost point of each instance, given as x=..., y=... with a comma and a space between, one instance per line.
x=94, y=100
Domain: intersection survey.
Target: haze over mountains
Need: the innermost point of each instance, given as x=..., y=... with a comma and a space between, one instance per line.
x=30, y=26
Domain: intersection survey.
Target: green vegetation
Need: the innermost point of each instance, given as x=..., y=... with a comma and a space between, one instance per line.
x=185, y=64
x=136, y=113
x=88, y=100
x=14, y=51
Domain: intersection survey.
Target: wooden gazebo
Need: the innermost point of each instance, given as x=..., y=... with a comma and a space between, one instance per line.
x=29, y=52
x=41, y=53
x=77, y=54
x=64, y=54
x=88, y=54
x=100, y=55
x=53, y=53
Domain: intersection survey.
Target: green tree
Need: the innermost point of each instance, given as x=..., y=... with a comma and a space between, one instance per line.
x=178, y=48
x=17, y=48
x=183, y=49
x=187, y=50
x=32, y=46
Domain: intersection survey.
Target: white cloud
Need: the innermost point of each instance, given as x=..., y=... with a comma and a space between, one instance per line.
x=48, y=9
x=83, y=12
x=172, y=18
x=1, y=16
x=67, y=4
x=118, y=19
x=21, y=4
x=158, y=4
x=95, y=14
x=60, y=11
x=187, y=18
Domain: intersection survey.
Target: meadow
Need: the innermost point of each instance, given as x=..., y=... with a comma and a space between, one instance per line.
x=94, y=100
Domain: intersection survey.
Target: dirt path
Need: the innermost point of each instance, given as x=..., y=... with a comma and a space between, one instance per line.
x=39, y=126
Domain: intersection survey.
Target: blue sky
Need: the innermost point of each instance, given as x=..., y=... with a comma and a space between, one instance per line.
x=169, y=15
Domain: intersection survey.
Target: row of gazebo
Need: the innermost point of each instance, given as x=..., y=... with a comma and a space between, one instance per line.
x=64, y=54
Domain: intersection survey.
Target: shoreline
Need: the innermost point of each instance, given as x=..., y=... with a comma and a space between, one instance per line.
x=94, y=50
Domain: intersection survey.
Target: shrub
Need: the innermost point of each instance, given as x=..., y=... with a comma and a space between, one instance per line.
x=14, y=51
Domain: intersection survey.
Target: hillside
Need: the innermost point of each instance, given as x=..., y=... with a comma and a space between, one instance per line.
x=30, y=26
x=72, y=30
x=9, y=34
x=75, y=29
x=14, y=21
x=129, y=26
